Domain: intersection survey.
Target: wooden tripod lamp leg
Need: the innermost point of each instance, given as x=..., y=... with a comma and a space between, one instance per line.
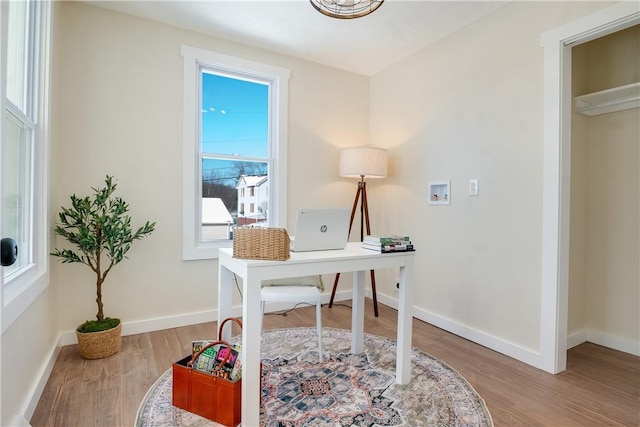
x=333, y=291
x=364, y=209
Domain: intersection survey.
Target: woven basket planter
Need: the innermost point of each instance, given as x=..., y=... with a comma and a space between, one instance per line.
x=97, y=345
x=261, y=243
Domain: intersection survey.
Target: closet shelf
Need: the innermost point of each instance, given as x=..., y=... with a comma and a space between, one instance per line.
x=609, y=100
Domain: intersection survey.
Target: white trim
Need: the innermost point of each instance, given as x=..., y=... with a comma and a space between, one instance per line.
x=556, y=171
x=615, y=342
x=4, y=6
x=39, y=384
x=180, y=320
x=507, y=348
x=192, y=248
x=576, y=338
x=610, y=100
x=24, y=290
x=626, y=345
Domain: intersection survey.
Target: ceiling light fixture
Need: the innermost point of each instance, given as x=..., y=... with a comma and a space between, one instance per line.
x=346, y=9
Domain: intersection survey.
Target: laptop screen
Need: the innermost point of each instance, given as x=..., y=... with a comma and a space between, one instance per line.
x=320, y=229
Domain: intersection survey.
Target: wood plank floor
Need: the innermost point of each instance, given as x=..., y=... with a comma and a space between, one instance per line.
x=599, y=388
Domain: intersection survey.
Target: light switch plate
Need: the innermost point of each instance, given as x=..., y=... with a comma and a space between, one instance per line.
x=474, y=187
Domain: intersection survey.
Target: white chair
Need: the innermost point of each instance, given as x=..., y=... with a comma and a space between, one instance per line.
x=306, y=289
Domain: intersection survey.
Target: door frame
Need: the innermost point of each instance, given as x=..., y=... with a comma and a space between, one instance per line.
x=557, y=44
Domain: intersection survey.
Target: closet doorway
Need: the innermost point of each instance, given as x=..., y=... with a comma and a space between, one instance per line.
x=558, y=44
x=604, y=253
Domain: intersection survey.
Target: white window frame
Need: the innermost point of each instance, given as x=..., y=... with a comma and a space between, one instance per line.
x=23, y=288
x=193, y=59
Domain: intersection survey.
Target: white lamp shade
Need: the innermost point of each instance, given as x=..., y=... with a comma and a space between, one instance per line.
x=363, y=161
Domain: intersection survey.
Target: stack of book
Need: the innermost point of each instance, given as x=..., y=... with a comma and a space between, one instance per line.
x=211, y=358
x=387, y=244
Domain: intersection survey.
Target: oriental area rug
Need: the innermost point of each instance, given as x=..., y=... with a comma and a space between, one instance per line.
x=345, y=390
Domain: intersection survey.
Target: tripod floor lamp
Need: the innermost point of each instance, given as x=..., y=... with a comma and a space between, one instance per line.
x=362, y=162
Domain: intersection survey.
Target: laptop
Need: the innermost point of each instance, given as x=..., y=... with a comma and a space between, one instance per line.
x=320, y=230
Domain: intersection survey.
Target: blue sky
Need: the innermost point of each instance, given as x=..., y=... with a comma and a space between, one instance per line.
x=234, y=116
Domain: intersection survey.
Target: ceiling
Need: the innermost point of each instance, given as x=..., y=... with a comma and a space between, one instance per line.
x=364, y=45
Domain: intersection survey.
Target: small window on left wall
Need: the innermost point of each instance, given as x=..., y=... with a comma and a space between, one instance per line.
x=24, y=68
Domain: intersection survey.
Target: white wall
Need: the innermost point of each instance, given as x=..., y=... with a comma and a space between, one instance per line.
x=471, y=106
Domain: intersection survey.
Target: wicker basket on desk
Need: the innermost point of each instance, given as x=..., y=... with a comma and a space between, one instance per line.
x=261, y=243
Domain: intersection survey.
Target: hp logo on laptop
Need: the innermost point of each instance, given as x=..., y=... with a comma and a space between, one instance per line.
x=323, y=228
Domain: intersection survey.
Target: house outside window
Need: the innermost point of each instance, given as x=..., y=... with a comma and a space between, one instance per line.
x=257, y=200
x=234, y=126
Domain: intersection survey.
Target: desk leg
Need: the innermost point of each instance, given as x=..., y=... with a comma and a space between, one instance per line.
x=357, y=313
x=225, y=292
x=251, y=352
x=405, y=319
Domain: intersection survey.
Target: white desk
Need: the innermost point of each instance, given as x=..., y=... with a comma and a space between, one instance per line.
x=352, y=259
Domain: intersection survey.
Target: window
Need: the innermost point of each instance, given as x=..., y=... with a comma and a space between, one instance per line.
x=23, y=172
x=234, y=137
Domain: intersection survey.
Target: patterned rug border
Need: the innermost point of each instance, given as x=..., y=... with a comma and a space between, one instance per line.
x=340, y=333
x=147, y=396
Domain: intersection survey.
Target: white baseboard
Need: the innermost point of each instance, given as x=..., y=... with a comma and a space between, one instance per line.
x=37, y=390
x=518, y=352
x=19, y=421
x=528, y=356
x=615, y=342
x=160, y=323
x=157, y=324
x=576, y=338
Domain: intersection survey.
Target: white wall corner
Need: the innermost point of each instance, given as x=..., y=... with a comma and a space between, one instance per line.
x=576, y=338
x=626, y=345
x=19, y=421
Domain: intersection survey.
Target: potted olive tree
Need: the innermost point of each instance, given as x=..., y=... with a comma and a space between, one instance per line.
x=99, y=228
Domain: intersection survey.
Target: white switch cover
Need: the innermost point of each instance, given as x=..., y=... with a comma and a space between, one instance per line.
x=474, y=187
